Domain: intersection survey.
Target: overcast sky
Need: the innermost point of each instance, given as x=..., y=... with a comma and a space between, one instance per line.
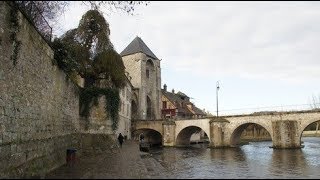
x=264, y=54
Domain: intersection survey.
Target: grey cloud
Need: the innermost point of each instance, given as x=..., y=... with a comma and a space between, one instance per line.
x=256, y=40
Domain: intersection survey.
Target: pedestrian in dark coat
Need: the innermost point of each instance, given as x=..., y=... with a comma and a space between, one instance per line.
x=142, y=137
x=120, y=139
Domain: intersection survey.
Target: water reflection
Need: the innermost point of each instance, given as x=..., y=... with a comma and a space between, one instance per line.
x=288, y=163
x=228, y=162
x=254, y=160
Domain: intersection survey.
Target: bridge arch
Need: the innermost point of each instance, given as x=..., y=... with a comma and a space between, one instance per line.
x=202, y=124
x=184, y=135
x=238, y=130
x=304, y=125
x=151, y=136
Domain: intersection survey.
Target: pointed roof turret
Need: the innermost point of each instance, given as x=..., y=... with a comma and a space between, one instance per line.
x=137, y=45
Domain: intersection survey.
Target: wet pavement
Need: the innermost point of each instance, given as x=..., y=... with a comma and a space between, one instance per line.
x=124, y=163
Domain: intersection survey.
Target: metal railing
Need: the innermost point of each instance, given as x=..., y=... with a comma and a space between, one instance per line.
x=30, y=10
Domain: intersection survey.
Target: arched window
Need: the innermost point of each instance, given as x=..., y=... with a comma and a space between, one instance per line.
x=149, y=68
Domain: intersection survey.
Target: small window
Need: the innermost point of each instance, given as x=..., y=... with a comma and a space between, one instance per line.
x=164, y=104
x=147, y=73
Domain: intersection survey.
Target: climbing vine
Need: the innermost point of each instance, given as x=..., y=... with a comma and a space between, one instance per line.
x=87, y=51
x=14, y=29
x=89, y=98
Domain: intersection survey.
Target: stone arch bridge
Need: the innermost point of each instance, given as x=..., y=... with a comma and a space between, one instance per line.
x=285, y=128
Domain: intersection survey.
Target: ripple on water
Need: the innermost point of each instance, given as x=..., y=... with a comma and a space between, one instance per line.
x=254, y=160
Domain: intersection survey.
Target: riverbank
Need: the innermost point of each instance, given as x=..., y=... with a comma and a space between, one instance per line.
x=311, y=134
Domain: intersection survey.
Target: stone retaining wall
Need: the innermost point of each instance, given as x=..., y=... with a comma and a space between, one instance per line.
x=39, y=105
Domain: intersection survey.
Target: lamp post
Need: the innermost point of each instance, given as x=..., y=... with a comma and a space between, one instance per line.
x=217, y=97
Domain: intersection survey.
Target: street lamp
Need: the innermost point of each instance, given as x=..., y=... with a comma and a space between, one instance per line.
x=217, y=96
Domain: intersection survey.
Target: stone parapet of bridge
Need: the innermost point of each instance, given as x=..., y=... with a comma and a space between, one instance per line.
x=285, y=128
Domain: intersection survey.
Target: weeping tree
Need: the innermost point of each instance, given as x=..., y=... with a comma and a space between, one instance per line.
x=88, y=52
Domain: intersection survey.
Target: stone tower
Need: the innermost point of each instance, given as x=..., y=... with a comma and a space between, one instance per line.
x=144, y=68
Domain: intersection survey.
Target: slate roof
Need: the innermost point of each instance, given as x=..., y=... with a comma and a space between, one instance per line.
x=181, y=109
x=182, y=94
x=175, y=98
x=198, y=111
x=137, y=45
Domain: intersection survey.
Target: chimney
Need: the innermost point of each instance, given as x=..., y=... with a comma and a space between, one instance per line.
x=165, y=87
x=173, y=91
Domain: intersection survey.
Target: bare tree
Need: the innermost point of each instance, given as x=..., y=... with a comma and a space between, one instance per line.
x=122, y=6
x=51, y=9
x=315, y=105
x=43, y=14
x=48, y=9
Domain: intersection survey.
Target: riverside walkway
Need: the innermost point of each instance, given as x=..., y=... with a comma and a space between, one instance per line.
x=126, y=162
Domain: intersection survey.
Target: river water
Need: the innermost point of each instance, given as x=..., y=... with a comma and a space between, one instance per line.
x=253, y=160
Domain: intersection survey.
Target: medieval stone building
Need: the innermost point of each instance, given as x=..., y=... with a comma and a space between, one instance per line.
x=144, y=69
x=141, y=96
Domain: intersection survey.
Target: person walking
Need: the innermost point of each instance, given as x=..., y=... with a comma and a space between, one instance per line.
x=120, y=139
x=142, y=137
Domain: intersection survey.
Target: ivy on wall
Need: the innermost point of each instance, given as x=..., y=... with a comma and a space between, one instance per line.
x=14, y=29
x=89, y=98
